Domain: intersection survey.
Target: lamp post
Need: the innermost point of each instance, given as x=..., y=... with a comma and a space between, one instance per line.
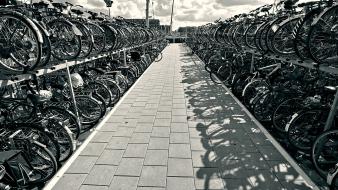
x=108, y=4
x=171, y=19
x=147, y=13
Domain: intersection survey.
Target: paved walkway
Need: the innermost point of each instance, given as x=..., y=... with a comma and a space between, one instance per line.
x=176, y=130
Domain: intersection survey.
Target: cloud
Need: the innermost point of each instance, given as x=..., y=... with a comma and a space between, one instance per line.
x=186, y=12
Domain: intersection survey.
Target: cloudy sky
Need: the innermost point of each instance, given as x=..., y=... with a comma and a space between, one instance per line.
x=187, y=12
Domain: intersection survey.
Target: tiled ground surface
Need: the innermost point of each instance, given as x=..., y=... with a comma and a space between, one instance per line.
x=176, y=130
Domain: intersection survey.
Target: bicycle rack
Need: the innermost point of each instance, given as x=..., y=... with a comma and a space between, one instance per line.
x=12, y=80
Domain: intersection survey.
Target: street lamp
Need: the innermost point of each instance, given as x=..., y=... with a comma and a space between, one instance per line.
x=108, y=4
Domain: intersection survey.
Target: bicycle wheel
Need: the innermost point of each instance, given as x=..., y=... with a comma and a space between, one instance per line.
x=254, y=89
x=64, y=115
x=284, y=111
x=99, y=38
x=43, y=162
x=324, y=152
x=282, y=40
x=87, y=39
x=89, y=110
x=301, y=33
x=304, y=128
x=46, y=46
x=21, y=41
x=239, y=84
x=63, y=136
x=102, y=90
x=42, y=136
x=65, y=39
x=323, y=36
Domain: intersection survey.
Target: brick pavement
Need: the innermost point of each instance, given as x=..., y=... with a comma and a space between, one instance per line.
x=177, y=130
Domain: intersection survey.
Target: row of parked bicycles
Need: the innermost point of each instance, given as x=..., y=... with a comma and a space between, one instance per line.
x=44, y=118
x=45, y=33
x=296, y=102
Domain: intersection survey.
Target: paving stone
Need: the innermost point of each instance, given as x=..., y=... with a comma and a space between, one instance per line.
x=70, y=181
x=115, y=119
x=100, y=175
x=179, y=101
x=179, y=119
x=139, y=104
x=232, y=184
x=150, y=188
x=205, y=159
x=200, y=144
x=118, y=143
x=153, y=176
x=82, y=164
x=93, y=187
x=195, y=133
x=254, y=161
x=135, y=151
x=164, y=108
x=109, y=127
x=208, y=178
x=179, y=106
x=263, y=179
x=180, y=167
x=163, y=115
x=160, y=132
x=144, y=128
x=124, y=183
x=179, y=151
x=146, y=119
x=110, y=157
x=270, y=153
x=94, y=149
x=130, y=167
x=159, y=143
x=123, y=132
x=179, y=138
x=297, y=185
x=180, y=183
x=151, y=112
x=162, y=122
x=151, y=106
x=156, y=157
x=140, y=138
x=179, y=128
x=102, y=136
x=181, y=112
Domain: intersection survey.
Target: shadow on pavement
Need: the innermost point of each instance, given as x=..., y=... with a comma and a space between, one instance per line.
x=235, y=154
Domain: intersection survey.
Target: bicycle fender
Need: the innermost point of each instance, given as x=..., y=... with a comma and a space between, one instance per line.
x=42, y=29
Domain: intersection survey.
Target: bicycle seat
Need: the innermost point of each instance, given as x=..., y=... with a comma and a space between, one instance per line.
x=77, y=11
x=59, y=5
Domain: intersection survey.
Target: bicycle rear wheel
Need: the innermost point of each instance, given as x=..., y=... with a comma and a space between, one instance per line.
x=21, y=43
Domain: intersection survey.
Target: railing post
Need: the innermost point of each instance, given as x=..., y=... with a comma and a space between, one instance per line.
x=73, y=95
x=124, y=57
x=252, y=63
x=333, y=111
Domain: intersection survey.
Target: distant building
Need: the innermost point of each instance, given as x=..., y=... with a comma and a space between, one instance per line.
x=153, y=23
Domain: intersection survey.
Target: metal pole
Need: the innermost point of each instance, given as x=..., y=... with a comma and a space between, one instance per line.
x=124, y=57
x=332, y=113
x=147, y=14
x=252, y=63
x=172, y=14
x=73, y=95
